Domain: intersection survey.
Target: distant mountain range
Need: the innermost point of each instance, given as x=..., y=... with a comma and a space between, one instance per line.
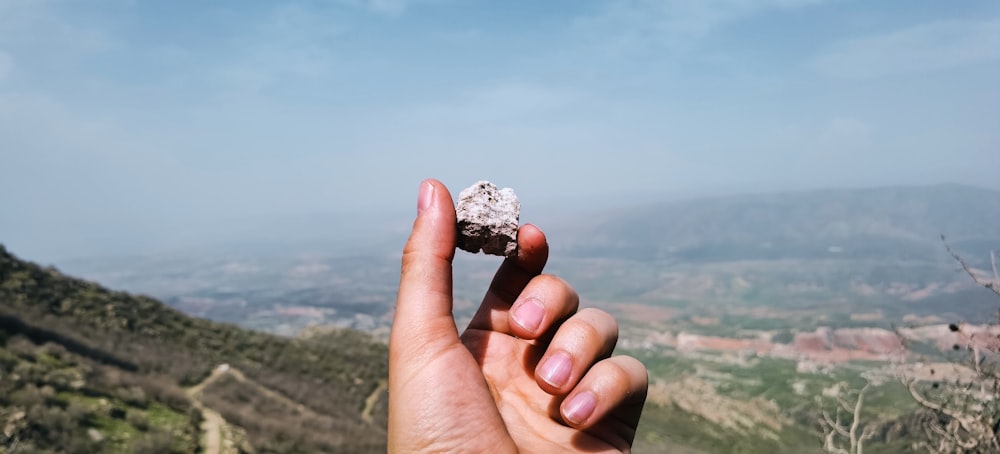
x=867, y=248
x=897, y=223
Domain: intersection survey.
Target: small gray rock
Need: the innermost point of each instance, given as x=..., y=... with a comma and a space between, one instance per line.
x=488, y=219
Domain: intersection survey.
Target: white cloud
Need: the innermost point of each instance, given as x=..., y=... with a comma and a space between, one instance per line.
x=925, y=47
x=266, y=66
x=42, y=129
x=674, y=24
x=48, y=30
x=841, y=128
x=291, y=43
x=518, y=103
x=390, y=7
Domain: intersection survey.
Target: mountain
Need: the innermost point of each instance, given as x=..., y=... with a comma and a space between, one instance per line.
x=86, y=369
x=857, y=251
x=899, y=223
x=80, y=363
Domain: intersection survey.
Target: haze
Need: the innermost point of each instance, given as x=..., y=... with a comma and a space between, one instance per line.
x=135, y=126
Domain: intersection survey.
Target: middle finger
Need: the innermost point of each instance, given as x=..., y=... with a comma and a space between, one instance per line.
x=582, y=340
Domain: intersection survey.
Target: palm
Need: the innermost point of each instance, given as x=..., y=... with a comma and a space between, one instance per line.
x=529, y=414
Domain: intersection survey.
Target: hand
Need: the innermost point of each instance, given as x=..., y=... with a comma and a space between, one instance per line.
x=529, y=374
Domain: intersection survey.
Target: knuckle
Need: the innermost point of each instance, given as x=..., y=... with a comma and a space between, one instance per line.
x=631, y=375
x=637, y=368
x=409, y=257
x=615, y=374
x=597, y=317
x=632, y=363
x=550, y=281
x=582, y=329
x=593, y=331
x=555, y=286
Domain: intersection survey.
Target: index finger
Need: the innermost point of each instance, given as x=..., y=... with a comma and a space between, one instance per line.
x=511, y=278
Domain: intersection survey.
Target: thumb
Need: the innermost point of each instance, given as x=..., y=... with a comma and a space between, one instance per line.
x=424, y=304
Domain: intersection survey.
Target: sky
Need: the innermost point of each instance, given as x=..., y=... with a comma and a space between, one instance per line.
x=130, y=126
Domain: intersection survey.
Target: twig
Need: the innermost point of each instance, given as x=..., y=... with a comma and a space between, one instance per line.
x=993, y=285
x=963, y=423
x=996, y=275
x=856, y=445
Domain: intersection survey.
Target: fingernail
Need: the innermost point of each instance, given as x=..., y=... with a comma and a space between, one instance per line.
x=580, y=407
x=556, y=368
x=529, y=314
x=426, y=196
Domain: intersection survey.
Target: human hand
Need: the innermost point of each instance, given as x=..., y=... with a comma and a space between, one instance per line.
x=529, y=374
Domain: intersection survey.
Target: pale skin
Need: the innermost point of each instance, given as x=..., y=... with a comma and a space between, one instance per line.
x=531, y=373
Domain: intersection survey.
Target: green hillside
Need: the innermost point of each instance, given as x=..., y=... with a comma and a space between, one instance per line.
x=85, y=369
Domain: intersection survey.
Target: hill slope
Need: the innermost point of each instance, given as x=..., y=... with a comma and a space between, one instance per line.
x=107, y=370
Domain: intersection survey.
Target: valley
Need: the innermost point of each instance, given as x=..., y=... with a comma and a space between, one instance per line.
x=751, y=313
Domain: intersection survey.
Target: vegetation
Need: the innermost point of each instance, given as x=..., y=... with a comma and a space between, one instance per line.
x=961, y=412
x=85, y=369
x=737, y=268
x=52, y=400
x=957, y=403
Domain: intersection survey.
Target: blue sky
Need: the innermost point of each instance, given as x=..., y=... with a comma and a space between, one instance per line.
x=130, y=126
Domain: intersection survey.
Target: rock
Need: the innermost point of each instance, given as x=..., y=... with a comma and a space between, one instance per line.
x=488, y=219
x=95, y=435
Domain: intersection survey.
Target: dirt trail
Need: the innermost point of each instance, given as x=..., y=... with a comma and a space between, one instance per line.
x=218, y=435
x=372, y=399
x=216, y=438
x=214, y=427
x=302, y=409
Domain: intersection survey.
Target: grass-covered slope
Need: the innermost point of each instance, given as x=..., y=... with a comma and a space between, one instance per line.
x=86, y=369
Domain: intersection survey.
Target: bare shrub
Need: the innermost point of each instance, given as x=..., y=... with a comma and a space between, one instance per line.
x=843, y=429
x=964, y=410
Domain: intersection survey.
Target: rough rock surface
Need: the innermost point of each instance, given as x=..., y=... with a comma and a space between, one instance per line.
x=488, y=219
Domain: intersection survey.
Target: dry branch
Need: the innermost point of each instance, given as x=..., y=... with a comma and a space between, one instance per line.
x=993, y=285
x=836, y=433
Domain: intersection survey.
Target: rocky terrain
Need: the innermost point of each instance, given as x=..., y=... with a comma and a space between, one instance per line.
x=747, y=310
